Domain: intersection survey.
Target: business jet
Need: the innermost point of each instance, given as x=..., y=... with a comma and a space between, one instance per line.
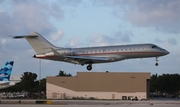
x=5, y=73
x=90, y=55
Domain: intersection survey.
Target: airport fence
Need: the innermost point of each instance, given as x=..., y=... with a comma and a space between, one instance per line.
x=22, y=95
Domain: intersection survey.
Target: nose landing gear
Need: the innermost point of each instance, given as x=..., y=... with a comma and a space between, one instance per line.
x=156, y=61
x=89, y=67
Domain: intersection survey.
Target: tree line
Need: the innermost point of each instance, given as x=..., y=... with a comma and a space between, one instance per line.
x=165, y=83
x=29, y=83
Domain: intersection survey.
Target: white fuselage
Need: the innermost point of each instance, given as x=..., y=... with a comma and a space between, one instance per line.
x=114, y=53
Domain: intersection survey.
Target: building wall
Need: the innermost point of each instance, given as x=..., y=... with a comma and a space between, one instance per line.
x=67, y=82
x=112, y=81
x=57, y=92
x=98, y=85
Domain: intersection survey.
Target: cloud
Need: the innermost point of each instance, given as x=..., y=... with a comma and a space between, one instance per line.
x=70, y=2
x=168, y=42
x=173, y=60
x=3, y=41
x=98, y=40
x=56, y=36
x=123, y=37
x=116, y=38
x=27, y=16
x=21, y=17
x=161, y=14
x=73, y=42
x=172, y=41
x=5, y=21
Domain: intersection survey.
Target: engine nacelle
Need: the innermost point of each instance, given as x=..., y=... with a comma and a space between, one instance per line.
x=66, y=51
x=59, y=52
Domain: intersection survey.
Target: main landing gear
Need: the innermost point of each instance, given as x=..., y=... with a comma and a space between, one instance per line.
x=89, y=67
x=156, y=61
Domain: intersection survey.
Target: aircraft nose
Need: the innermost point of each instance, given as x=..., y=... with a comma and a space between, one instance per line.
x=166, y=52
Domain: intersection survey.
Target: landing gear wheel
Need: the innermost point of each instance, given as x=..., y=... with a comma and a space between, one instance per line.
x=156, y=64
x=89, y=67
x=156, y=61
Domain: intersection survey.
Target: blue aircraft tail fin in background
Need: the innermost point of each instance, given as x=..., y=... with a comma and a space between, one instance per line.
x=5, y=71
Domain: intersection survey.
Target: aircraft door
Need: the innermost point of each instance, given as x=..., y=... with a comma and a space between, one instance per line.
x=71, y=51
x=104, y=51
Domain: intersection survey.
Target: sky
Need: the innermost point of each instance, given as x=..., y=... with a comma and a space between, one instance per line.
x=87, y=23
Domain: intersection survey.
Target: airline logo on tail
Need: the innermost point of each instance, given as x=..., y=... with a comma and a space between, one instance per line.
x=5, y=71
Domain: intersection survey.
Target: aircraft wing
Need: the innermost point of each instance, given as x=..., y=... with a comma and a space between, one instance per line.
x=83, y=59
x=86, y=59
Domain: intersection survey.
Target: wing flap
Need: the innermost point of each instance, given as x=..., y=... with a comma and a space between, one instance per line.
x=84, y=59
x=87, y=58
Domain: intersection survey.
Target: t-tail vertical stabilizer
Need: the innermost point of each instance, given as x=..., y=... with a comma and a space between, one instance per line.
x=37, y=42
x=5, y=71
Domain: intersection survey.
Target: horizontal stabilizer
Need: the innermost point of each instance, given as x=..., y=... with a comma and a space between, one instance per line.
x=24, y=36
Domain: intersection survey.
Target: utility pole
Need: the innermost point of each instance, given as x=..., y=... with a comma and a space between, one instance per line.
x=39, y=71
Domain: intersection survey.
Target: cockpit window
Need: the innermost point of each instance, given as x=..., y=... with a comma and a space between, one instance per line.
x=154, y=46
